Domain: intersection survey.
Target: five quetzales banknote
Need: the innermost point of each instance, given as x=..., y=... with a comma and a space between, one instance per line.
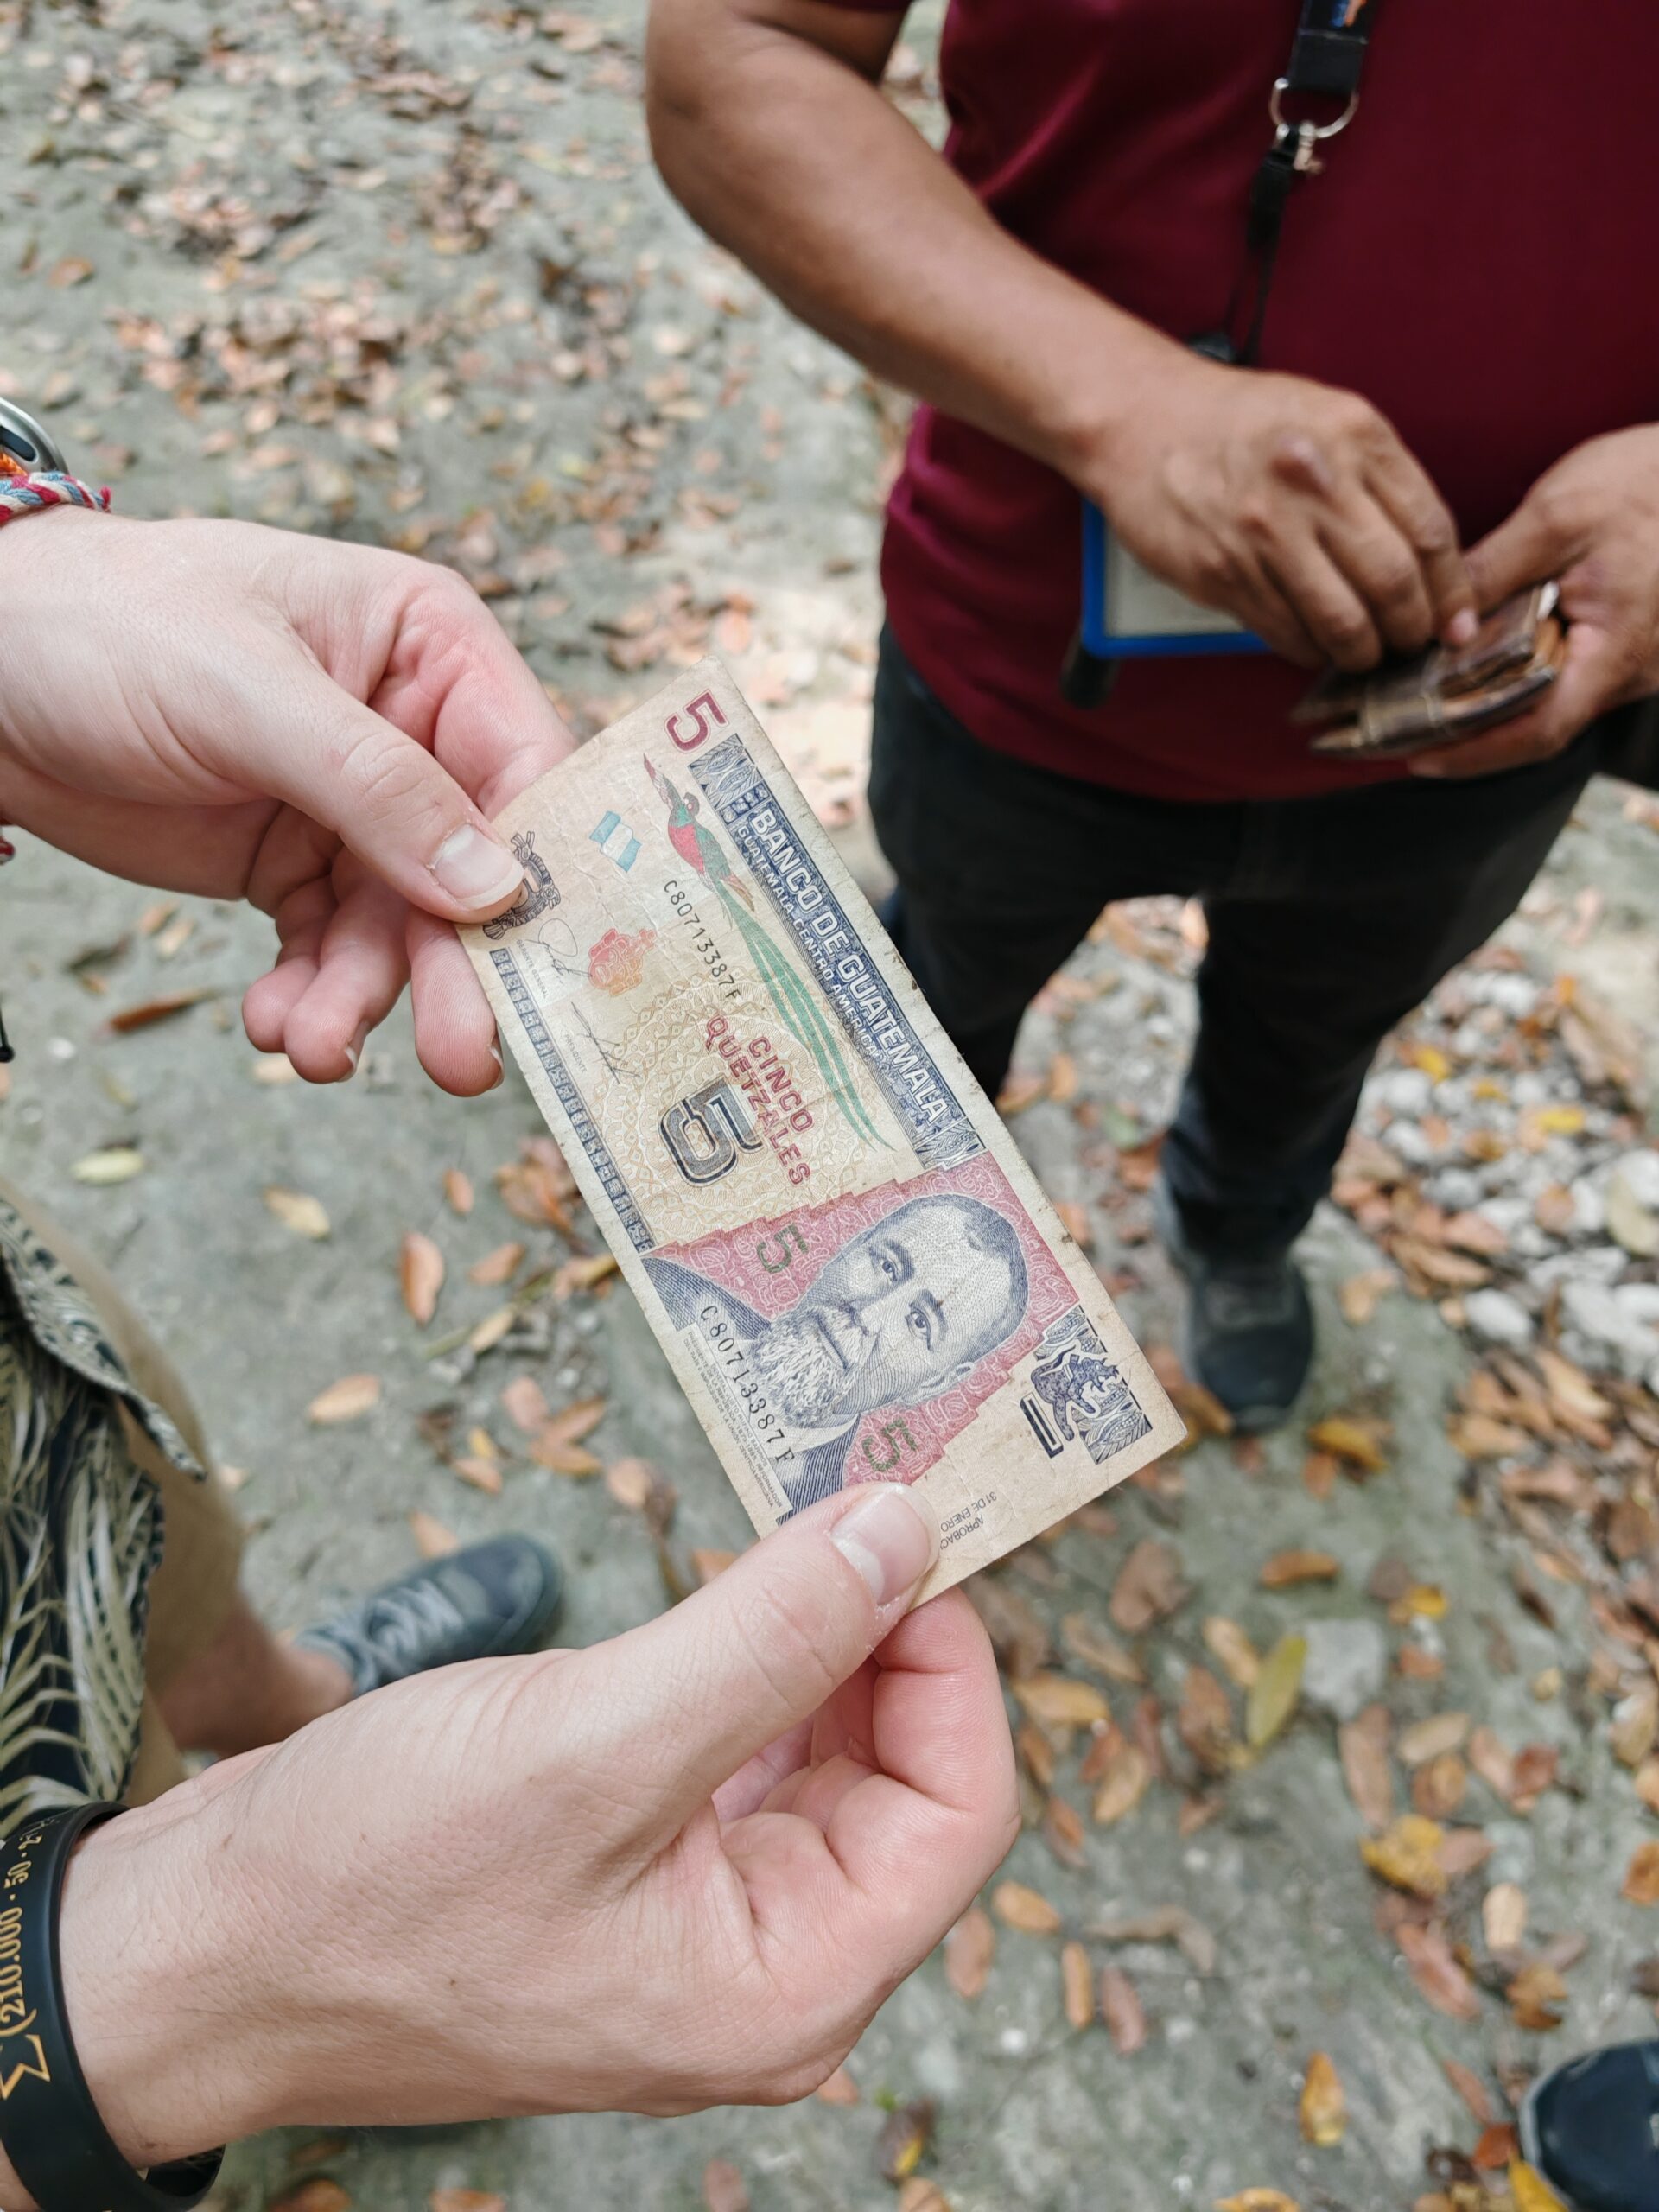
x=850, y=1267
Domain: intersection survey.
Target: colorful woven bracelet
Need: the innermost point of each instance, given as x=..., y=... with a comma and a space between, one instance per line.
x=22, y=494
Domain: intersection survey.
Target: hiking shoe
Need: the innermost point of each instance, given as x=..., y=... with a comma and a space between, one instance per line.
x=1592, y=2129
x=1249, y=1333
x=483, y=1603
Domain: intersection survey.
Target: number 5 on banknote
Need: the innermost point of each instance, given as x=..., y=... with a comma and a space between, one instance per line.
x=850, y=1265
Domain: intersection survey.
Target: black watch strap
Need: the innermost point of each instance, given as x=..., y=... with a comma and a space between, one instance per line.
x=49, y=2127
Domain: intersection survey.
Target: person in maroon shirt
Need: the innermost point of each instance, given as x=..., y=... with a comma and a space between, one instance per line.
x=1454, y=396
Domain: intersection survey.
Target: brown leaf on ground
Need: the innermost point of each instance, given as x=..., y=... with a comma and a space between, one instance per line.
x=587, y=1274
x=297, y=1211
x=1123, y=2011
x=1491, y=1761
x=1535, y=1771
x=1147, y=1734
x=1435, y=1970
x=1535, y=1997
x=1407, y=1855
x=466, y=2200
x=1530, y=2191
x=1274, y=1693
x=1167, y=1923
x=1124, y=1784
x=968, y=1949
x=1358, y=1441
x=839, y=2089
x=320, y=2193
x=1497, y=2146
x=525, y=1405
x=1020, y=1089
x=1284, y=1569
x=420, y=1275
x=1477, y=1436
x=1319, y=1473
x=1091, y=1645
x=1362, y=1744
x=724, y=2189
x=1647, y=1784
x=1641, y=1875
x=1360, y=1295
x=1024, y=1909
x=1205, y=1722
x=1322, y=2108
x=557, y=1442
x=1019, y=1635
x=1556, y=1209
x=1062, y=1832
x=1470, y=2087
x=1258, y=2200
x=1238, y=1657
x=1058, y=1701
x=1571, y=1391
x=1438, y=1786
x=921, y=2194
x=1636, y=1723
x=1148, y=1588
x=458, y=1192
x=1503, y=1916
x=158, y=1009
x=432, y=1539
x=499, y=1266
x=492, y=1330
x=1078, y=1984
x=539, y=1188
x=1427, y=1740
x=482, y=1470
x=1035, y=1751
x=709, y=1564
x=349, y=1399
x=904, y=2140
x=1075, y=1218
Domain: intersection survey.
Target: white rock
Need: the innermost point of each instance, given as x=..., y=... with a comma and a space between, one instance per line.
x=1408, y=1144
x=1457, y=1189
x=1347, y=1666
x=1613, y=1323
x=1529, y=1089
x=1640, y=1172
x=1515, y=995
x=1498, y=1318
x=1402, y=1091
x=1589, y=1209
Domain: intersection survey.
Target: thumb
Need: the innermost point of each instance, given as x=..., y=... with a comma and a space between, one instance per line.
x=1525, y=550
x=385, y=795
x=759, y=1650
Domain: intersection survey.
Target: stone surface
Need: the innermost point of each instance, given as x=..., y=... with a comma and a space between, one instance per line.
x=1498, y=1318
x=1347, y=1665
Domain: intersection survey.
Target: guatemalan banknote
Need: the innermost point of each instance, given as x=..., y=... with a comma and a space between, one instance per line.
x=850, y=1265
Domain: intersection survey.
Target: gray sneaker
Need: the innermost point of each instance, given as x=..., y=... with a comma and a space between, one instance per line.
x=1248, y=1332
x=486, y=1602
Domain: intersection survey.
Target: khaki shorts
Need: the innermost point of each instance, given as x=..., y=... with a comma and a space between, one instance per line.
x=193, y=1591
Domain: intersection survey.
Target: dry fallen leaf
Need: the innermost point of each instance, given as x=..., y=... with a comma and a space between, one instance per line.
x=709, y=1564
x=1438, y=1786
x=1148, y=1588
x=1323, y=2107
x=1363, y=1744
x=466, y=2200
x=1427, y=1740
x=1498, y=2143
x=1165, y=1924
x=458, y=1190
x=1641, y=1875
x=1286, y=1568
x=585, y=1273
x=1275, y=1692
x=490, y=1331
x=539, y=1188
x=904, y=2139
x=432, y=1539
x=1024, y=1909
x=320, y=2193
x=1407, y=1855
x=526, y=1406
x=968, y=1949
x=1121, y=2009
x=921, y=2194
x=1359, y=1442
x=420, y=1270
x=839, y=2089
x=1535, y=1997
x=1470, y=2087
x=631, y=1483
x=1258, y=2200
x=305, y=1216
x=158, y=1009
x=499, y=1266
x=117, y=1163
x=347, y=1399
x=1361, y=1295
x=481, y=1472
x=1205, y=1722
x=1436, y=1971
x=1078, y=1984
x=724, y=2189
x=1062, y=1832
x=1531, y=2192
x=557, y=1441
x=1058, y=1701
x=1124, y=1784
x=1239, y=1658
x=1074, y=1219
x=1094, y=1646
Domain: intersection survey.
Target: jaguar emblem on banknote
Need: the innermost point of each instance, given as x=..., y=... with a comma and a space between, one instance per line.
x=850, y=1267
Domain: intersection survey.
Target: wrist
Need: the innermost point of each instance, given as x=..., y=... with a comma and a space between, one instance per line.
x=161, y=1986
x=1116, y=382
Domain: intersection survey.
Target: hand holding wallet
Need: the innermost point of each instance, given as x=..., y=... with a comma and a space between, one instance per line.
x=1446, y=693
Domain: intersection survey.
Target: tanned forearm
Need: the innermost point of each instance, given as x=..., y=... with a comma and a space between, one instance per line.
x=768, y=125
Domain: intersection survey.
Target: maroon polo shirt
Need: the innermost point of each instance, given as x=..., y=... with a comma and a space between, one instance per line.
x=1480, y=260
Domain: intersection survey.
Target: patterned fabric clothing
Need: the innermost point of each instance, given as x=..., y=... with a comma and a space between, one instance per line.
x=80, y=1536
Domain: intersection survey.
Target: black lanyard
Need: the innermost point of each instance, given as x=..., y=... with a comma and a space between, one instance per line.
x=1326, y=65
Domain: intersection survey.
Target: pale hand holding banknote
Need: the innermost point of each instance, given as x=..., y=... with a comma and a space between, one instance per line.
x=850, y=1265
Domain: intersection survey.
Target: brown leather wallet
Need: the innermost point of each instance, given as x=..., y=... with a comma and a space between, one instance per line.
x=1449, y=692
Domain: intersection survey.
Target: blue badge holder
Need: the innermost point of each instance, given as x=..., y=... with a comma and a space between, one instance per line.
x=1130, y=615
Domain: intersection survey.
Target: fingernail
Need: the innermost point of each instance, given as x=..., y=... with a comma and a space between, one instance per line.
x=473, y=869
x=1460, y=630
x=500, y=1072
x=354, y=1049
x=890, y=1538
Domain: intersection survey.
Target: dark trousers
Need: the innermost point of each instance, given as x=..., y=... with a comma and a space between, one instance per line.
x=1329, y=920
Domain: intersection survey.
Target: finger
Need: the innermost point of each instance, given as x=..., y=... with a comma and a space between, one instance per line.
x=455, y=1029
x=755, y=1781
x=361, y=968
x=300, y=919
x=1525, y=550
x=311, y=743
x=1588, y=684
x=1255, y=596
x=1404, y=490
x=739, y=1663
x=1327, y=605
x=1383, y=568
